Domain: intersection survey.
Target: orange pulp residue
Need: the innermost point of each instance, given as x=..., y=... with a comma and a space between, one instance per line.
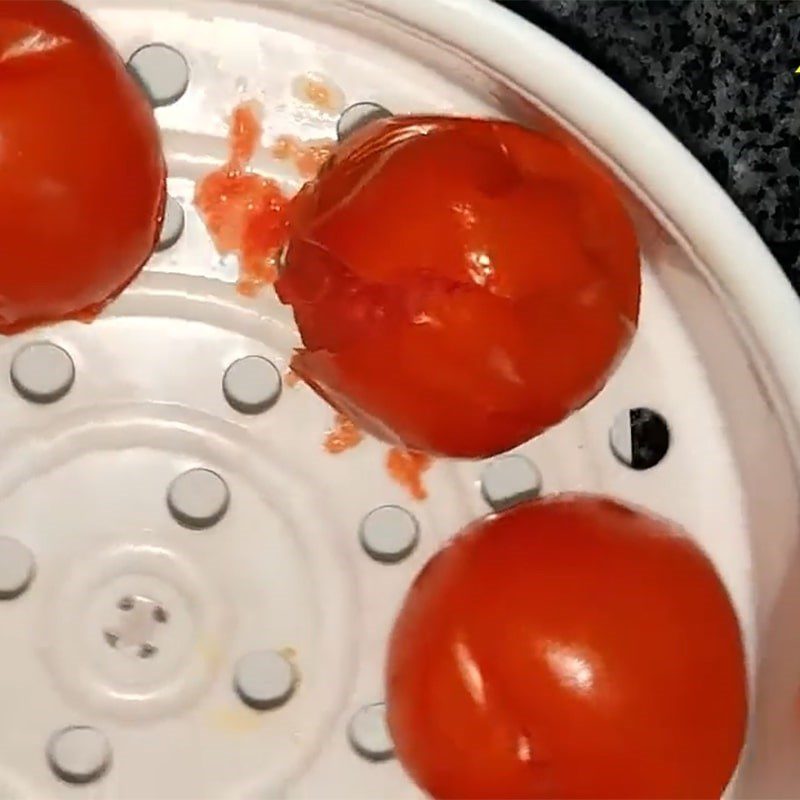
x=318, y=93
x=291, y=378
x=407, y=468
x=343, y=436
x=307, y=157
x=245, y=213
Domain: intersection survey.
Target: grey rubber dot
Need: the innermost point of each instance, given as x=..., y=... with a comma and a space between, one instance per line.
x=369, y=734
x=639, y=438
x=79, y=754
x=358, y=115
x=162, y=71
x=264, y=679
x=509, y=480
x=17, y=568
x=252, y=385
x=173, y=224
x=389, y=533
x=42, y=372
x=198, y=499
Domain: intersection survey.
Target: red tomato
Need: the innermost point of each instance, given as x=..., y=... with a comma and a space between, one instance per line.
x=460, y=285
x=81, y=169
x=568, y=648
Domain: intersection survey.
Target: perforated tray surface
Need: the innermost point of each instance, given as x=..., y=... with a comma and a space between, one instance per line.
x=195, y=596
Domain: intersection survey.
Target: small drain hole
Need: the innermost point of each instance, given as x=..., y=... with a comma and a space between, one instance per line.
x=640, y=438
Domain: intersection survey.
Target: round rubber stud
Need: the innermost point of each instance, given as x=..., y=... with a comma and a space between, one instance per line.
x=369, y=733
x=198, y=499
x=264, y=680
x=162, y=72
x=389, y=534
x=42, y=372
x=509, y=480
x=79, y=754
x=358, y=115
x=173, y=225
x=252, y=385
x=17, y=568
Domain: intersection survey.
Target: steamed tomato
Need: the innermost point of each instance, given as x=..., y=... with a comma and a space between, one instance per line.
x=460, y=285
x=568, y=648
x=81, y=170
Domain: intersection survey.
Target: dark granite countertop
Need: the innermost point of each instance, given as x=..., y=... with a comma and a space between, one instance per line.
x=720, y=74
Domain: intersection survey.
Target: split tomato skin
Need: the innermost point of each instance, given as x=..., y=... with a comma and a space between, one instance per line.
x=568, y=648
x=81, y=167
x=460, y=285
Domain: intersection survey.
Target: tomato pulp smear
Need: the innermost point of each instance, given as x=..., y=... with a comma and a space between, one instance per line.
x=245, y=213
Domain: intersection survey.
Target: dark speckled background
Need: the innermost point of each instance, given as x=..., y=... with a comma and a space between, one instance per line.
x=720, y=75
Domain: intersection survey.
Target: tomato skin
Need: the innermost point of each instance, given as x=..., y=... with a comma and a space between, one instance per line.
x=568, y=648
x=460, y=285
x=81, y=168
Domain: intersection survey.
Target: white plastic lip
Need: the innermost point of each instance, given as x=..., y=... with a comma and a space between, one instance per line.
x=600, y=111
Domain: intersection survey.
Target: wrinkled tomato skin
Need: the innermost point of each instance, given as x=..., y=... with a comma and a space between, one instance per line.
x=568, y=648
x=460, y=284
x=81, y=169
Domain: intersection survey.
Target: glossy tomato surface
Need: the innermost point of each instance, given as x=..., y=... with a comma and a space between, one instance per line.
x=81, y=170
x=460, y=285
x=568, y=648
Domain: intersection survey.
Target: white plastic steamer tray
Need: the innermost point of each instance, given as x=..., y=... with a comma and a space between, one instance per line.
x=196, y=597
